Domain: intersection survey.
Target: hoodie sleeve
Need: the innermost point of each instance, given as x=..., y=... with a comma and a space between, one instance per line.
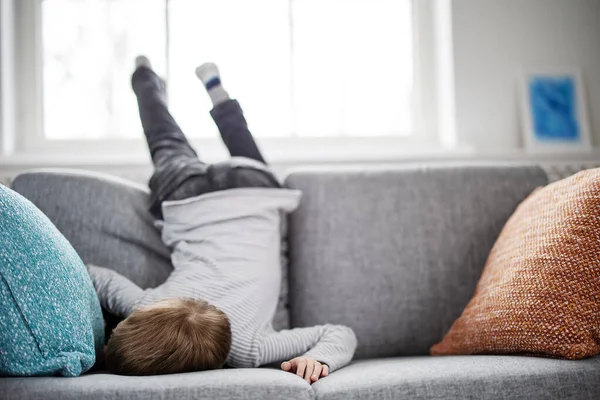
x=333, y=345
x=117, y=294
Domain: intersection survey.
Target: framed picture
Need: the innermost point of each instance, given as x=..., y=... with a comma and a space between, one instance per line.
x=554, y=111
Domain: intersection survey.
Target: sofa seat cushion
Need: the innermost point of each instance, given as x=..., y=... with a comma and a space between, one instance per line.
x=218, y=384
x=464, y=377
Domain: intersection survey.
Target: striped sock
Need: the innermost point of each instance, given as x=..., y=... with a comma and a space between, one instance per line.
x=211, y=79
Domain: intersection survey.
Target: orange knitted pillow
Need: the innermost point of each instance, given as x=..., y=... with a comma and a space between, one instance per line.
x=539, y=292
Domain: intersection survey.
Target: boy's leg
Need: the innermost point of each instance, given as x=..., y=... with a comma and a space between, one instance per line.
x=228, y=116
x=175, y=162
x=165, y=138
x=234, y=130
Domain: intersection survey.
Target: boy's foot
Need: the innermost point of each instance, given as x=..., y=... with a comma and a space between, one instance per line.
x=209, y=74
x=145, y=82
x=142, y=61
x=210, y=77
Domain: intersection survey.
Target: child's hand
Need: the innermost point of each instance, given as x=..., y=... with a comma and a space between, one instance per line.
x=307, y=368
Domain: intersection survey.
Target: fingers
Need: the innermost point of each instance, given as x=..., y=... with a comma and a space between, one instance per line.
x=310, y=366
x=306, y=368
x=300, y=368
x=316, y=372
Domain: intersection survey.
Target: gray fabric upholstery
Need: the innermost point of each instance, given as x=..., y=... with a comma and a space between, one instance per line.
x=221, y=384
x=396, y=253
x=105, y=219
x=557, y=172
x=470, y=377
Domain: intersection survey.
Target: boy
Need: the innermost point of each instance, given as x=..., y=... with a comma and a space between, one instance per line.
x=222, y=223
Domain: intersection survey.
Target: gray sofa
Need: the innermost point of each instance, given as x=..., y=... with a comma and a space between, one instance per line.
x=395, y=253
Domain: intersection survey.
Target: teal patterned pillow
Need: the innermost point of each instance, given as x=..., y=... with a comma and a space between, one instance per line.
x=50, y=318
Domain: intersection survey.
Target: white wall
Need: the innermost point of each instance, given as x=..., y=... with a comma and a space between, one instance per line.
x=495, y=39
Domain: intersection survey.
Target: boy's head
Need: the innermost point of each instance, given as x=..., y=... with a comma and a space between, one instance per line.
x=171, y=336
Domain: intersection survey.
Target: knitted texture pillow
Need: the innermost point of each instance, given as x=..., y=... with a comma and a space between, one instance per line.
x=50, y=317
x=539, y=293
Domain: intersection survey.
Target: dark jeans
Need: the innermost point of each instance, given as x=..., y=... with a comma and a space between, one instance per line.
x=178, y=172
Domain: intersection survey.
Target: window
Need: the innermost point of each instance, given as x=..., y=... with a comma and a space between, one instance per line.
x=300, y=68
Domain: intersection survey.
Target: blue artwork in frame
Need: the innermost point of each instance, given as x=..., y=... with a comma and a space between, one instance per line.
x=553, y=104
x=554, y=111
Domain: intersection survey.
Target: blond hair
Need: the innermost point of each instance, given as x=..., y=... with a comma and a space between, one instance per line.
x=168, y=337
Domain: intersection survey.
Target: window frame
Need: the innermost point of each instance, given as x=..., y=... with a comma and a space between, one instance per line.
x=26, y=131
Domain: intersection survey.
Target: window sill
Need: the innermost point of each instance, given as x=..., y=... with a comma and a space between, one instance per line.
x=283, y=158
x=278, y=151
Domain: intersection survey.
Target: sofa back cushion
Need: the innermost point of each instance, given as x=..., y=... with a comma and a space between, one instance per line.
x=396, y=253
x=106, y=219
x=50, y=317
x=538, y=293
